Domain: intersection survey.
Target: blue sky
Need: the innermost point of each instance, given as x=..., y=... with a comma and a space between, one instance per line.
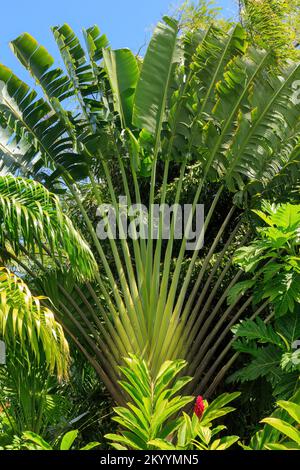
x=127, y=23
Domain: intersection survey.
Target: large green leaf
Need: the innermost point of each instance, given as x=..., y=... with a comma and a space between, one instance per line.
x=257, y=330
x=68, y=439
x=285, y=428
x=152, y=88
x=265, y=364
x=293, y=409
x=123, y=74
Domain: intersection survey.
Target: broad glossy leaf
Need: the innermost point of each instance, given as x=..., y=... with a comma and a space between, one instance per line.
x=152, y=87
x=292, y=408
x=68, y=439
x=123, y=74
x=224, y=442
x=285, y=428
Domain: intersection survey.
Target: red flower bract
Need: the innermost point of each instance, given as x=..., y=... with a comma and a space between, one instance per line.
x=199, y=407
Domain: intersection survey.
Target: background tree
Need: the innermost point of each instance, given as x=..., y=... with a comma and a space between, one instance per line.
x=273, y=24
x=195, y=15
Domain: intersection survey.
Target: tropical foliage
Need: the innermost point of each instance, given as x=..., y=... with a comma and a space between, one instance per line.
x=290, y=436
x=164, y=134
x=149, y=420
x=32, y=220
x=273, y=345
x=278, y=244
x=209, y=115
x=32, y=441
x=274, y=353
x=281, y=428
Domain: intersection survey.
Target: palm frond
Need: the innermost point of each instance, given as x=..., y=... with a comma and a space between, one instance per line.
x=26, y=321
x=31, y=215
